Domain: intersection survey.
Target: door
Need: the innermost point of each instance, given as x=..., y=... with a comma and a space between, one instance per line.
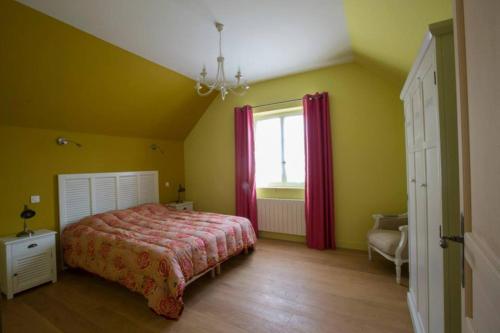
x=31, y=271
x=477, y=50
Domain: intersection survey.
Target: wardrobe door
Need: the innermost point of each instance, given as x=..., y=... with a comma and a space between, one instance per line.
x=410, y=171
x=433, y=187
x=420, y=203
x=421, y=221
x=412, y=225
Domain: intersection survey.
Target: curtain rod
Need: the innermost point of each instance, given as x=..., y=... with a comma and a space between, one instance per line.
x=269, y=104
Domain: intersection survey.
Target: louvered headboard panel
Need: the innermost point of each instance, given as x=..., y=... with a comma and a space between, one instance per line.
x=81, y=195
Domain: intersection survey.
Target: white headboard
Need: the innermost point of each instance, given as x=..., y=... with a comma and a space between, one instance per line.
x=81, y=195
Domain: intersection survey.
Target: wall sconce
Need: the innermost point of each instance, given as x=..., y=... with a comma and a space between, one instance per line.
x=155, y=147
x=63, y=141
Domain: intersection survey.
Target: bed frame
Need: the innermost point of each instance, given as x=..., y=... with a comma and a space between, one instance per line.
x=86, y=194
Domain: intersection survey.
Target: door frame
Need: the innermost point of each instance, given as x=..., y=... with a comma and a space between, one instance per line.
x=464, y=154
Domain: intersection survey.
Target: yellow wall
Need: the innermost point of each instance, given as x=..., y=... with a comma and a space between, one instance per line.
x=31, y=160
x=368, y=146
x=386, y=35
x=57, y=77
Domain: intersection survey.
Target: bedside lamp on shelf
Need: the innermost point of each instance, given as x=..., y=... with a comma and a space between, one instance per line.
x=180, y=190
x=26, y=214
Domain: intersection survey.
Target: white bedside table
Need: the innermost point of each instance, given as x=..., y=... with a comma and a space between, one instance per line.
x=26, y=262
x=185, y=205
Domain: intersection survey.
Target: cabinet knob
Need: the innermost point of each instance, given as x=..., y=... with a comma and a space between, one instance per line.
x=412, y=180
x=32, y=245
x=15, y=274
x=423, y=185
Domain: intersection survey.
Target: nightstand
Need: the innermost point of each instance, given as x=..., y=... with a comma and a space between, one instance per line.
x=26, y=262
x=185, y=205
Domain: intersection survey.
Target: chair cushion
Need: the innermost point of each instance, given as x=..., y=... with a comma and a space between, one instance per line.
x=385, y=240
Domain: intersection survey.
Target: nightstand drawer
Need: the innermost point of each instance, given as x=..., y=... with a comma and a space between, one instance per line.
x=32, y=247
x=186, y=205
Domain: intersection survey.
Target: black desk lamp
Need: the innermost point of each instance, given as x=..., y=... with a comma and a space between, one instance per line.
x=180, y=190
x=26, y=214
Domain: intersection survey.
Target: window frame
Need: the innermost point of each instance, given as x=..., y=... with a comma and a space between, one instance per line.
x=281, y=114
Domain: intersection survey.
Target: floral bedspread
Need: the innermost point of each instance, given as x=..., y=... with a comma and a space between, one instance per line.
x=154, y=250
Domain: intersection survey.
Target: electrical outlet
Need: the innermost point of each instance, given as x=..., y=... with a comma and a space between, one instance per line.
x=35, y=199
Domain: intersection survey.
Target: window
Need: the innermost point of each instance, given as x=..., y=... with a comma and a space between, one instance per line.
x=279, y=149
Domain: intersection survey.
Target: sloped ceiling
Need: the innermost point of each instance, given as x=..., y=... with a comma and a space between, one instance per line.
x=55, y=76
x=386, y=34
x=266, y=38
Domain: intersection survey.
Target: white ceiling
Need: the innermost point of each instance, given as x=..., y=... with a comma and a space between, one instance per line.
x=266, y=38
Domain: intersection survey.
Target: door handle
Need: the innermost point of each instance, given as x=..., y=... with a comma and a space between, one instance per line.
x=32, y=245
x=443, y=240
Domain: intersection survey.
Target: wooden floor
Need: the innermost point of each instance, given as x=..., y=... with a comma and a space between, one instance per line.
x=281, y=287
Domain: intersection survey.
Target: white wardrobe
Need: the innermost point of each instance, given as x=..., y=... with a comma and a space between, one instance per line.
x=433, y=194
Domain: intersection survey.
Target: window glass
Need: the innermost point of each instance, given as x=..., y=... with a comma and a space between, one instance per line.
x=279, y=150
x=268, y=151
x=293, y=135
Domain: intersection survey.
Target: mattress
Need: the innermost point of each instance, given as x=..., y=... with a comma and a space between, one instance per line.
x=155, y=250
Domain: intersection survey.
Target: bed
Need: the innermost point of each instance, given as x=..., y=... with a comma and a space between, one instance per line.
x=147, y=247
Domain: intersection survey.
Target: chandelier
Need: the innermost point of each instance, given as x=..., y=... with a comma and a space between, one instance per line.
x=205, y=87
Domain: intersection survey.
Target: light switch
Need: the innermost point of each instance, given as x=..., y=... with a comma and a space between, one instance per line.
x=35, y=199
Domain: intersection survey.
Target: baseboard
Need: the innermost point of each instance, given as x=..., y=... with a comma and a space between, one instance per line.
x=281, y=236
x=415, y=318
x=467, y=325
x=349, y=245
x=302, y=239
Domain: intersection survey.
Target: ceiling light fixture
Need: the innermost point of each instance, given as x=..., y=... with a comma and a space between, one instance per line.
x=239, y=88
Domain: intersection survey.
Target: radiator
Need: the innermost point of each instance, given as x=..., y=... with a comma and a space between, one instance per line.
x=282, y=215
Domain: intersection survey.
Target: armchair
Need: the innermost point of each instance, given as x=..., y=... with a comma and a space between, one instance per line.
x=389, y=237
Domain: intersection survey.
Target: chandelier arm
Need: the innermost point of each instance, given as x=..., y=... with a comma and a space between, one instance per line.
x=237, y=93
x=210, y=87
x=206, y=93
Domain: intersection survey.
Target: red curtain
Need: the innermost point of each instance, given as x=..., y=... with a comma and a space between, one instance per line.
x=246, y=192
x=319, y=172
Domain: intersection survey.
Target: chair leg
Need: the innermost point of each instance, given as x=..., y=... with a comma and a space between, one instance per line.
x=398, y=272
x=369, y=253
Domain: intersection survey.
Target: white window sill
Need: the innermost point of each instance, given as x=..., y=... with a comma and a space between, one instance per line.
x=281, y=188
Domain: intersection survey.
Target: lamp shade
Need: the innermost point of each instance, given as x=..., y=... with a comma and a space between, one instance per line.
x=27, y=213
